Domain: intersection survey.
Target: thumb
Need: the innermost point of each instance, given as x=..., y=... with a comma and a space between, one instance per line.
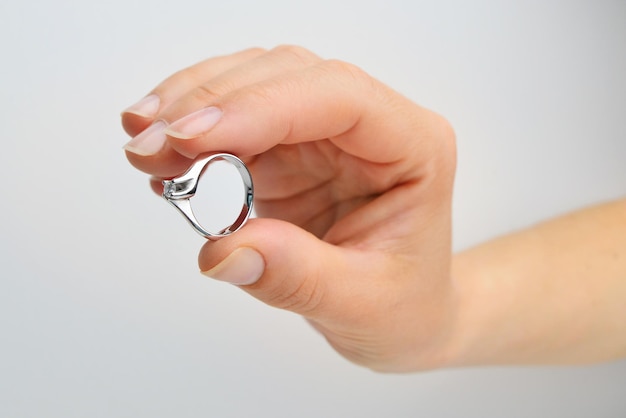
x=284, y=266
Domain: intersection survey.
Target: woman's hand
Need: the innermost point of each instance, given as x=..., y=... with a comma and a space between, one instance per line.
x=353, y=186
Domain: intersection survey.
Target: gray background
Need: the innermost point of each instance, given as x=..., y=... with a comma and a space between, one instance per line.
x=102, y=311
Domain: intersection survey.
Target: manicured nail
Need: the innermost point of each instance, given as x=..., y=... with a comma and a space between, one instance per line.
x=147, y=107
x=243, y=266
x=148, y=142
x=195, y=124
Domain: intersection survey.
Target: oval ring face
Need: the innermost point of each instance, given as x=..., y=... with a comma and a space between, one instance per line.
x=179, y=190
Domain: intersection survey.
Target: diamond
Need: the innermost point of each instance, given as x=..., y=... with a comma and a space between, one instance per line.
x=169, y=188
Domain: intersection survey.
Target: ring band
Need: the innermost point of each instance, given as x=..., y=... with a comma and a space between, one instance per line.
x=179, y=190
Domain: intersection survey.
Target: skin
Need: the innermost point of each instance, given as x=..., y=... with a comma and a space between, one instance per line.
x=552, y=294
x=353, y=188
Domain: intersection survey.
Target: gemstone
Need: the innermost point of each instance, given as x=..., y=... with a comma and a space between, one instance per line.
x=169, y=188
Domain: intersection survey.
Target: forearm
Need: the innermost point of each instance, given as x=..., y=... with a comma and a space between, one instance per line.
x=554, y=293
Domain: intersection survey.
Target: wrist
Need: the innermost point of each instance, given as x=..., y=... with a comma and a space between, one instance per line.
x=550, y=294
x=495, y=323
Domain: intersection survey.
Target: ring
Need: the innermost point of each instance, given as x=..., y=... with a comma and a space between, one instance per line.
x=179, y=190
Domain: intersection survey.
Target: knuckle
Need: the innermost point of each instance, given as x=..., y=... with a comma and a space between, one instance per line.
x=344, y=69
x=205, y=94
x=186, y=77
x=262, y=94
x=350, y=75
x=297, y=53
x=201, y=96
x=446, y=140
x=256, y=50
x=446, y=128
x=303, y=298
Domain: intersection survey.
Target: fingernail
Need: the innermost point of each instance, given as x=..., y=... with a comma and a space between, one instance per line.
x=147, y=107
x=195, y=124
x=243, y=266
x=148, y=142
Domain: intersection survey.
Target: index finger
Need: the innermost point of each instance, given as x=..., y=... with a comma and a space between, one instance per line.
x=329, y=100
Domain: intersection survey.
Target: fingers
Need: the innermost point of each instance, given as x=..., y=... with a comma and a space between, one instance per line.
x=285, y=96
x=218, y=77
x=148, y=150
x=277, y=61
x=140, y=115
x=330, y=99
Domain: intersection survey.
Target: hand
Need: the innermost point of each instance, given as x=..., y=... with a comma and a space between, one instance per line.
x=353, y=186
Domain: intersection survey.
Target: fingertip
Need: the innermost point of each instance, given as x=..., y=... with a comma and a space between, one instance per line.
x=156, y=184
x=190, y=135
x=138, y=116
x=134, y=124
x=256, y=234
x=165, y=164
x=282, y=265
x=242, y=267
x=148, y=107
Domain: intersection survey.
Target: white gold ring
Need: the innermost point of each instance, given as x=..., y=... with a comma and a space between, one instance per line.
x=179, y=190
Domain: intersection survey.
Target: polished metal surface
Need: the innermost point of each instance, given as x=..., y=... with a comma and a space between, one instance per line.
x=179, y=191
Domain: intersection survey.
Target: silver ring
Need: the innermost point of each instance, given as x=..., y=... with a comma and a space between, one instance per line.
x=179, y=190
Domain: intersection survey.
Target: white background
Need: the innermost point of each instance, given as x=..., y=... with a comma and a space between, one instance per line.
x=102, y=310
